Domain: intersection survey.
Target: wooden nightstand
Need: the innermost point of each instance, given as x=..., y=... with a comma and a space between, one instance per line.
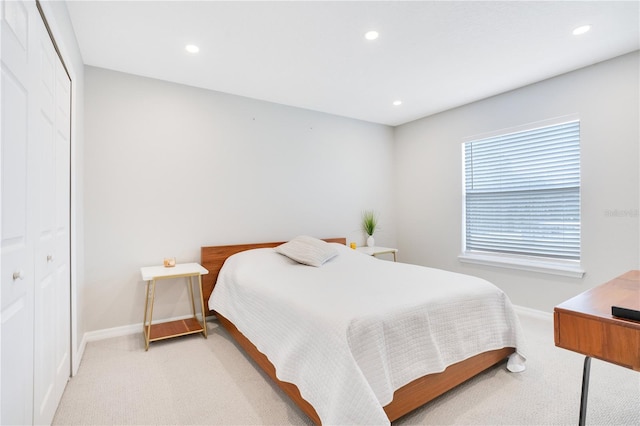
x=374, y=251
x=166, y=330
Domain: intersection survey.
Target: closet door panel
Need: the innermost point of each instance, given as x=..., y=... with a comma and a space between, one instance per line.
x=16, y=236
x=52, y=295
x=62, y=222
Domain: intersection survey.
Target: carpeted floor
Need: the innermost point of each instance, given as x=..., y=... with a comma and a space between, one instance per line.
x=190, y=380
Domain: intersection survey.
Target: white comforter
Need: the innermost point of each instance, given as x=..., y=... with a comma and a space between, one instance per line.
x=351, y=332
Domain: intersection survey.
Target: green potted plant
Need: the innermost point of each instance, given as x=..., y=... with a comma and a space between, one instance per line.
x=369, y=225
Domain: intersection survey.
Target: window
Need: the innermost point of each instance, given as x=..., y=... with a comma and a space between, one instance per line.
x=522, y=199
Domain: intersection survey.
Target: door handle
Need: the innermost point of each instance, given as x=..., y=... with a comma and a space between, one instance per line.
x=50, y=258
x=18, y=275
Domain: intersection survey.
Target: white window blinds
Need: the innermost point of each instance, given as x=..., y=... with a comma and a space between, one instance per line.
x=522, y=193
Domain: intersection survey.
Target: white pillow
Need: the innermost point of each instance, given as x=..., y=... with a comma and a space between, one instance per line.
x=307, y=250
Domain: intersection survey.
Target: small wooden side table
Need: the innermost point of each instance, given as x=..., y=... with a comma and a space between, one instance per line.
x=376, y=250
x=166, y=330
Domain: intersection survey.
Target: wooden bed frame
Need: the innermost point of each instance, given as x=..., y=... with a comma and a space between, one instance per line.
x=405, y=399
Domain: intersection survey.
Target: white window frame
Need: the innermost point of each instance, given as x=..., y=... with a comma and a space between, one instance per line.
x=562, y=267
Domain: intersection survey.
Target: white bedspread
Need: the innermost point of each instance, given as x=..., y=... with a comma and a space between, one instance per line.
x=351, y=332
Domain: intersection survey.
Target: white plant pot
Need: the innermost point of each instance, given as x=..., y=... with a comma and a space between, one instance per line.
x=370, y=241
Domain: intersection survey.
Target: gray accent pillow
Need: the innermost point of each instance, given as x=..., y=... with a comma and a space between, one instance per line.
x=307, y=250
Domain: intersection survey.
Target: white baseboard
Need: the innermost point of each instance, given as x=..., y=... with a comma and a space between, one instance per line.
x=534, y=313
x=109, y=333
x=77, y=356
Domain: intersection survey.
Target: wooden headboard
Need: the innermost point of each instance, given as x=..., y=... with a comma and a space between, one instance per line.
x=212, y=258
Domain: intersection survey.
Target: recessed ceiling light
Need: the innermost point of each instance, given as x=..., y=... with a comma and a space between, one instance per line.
x=581, y=30
x=371, y=35
x=192, y=48
x=397, y=103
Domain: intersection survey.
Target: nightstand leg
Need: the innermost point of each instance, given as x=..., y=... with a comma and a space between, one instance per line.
x=148, y=331
x=204, y=317
x=193, y=303
x=146, y=308
x=585, y=390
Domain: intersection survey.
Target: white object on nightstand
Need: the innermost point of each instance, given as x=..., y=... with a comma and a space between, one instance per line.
x=376, y=250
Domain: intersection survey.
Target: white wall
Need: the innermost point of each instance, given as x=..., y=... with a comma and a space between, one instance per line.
x=170, y=168
x=429, y=177
x=62, y=29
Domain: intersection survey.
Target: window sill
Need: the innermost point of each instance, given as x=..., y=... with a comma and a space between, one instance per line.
x=562, y=268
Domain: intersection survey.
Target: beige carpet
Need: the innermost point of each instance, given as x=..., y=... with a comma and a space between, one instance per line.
x=191, y=380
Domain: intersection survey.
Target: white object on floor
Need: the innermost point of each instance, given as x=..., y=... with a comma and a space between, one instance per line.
x=516, y=363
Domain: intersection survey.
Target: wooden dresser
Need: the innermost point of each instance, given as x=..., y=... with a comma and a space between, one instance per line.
x=584, y=324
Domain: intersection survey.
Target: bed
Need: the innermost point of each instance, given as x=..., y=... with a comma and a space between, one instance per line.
x=331, y=339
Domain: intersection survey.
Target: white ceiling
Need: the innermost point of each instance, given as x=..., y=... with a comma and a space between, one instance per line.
x=433, y=55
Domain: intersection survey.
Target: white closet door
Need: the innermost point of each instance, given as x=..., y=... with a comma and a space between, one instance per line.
x=52, y=366
x=35, y=338
x=17, y=207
